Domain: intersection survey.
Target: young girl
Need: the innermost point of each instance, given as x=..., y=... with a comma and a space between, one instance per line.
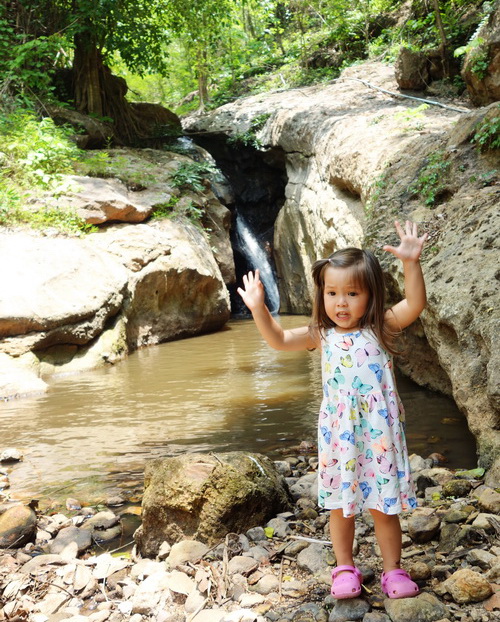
x=363, y=460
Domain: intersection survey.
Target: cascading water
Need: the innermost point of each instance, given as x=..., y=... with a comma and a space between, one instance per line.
x=256, y=257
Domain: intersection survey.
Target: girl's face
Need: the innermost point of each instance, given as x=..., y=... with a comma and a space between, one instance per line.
x=345, y=301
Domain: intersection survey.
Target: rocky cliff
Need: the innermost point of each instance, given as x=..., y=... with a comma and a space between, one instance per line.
x=356, y=158
x=71, y=303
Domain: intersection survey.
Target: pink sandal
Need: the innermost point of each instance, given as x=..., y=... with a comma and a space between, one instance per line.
x=347, y=584
x=398, y=584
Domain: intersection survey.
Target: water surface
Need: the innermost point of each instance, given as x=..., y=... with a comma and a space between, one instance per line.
x=93, y=432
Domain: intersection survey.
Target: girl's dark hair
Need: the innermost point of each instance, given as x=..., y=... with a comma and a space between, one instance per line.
x=367, y=274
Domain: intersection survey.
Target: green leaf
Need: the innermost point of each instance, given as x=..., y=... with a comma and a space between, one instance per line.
x=269, y=531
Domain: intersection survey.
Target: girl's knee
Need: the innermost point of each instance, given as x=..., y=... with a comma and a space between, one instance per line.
x=380, y=517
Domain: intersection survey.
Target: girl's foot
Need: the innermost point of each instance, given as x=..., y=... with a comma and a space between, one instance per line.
x=346, y=582
x=398, y=584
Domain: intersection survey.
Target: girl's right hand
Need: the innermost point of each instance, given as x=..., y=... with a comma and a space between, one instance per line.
x=252, y=291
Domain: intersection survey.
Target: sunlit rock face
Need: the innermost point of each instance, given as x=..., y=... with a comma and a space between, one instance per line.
x=71, y=304
x=481, y=69
x=358, y=158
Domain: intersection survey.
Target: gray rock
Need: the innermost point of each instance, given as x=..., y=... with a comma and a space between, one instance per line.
x=423, y=525
x=376, y=616
x=242, y=565
x=349, y=609
x=456, y=516
x=417, y=463
x=306, y=486
x=67, y=535
x=315, y=558
x=482, y=521
x=283, y=467
x=267, y=584
x=422, y=608
x=419, y=571
x=489, y=500
x=281, y=527
x=295, y=547
x=450, y=537
x=260, y=554
x=256, y=534
x=66, y=290
x=310, y=612
x=484, y=559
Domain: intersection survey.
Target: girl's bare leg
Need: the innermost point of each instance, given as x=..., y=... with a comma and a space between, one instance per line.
x=342, y=535
x=388, y=533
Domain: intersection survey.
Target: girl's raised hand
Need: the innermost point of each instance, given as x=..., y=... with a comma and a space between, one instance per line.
x=411, y=245
x=252, y=291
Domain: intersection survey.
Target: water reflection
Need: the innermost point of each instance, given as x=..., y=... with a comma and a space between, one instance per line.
x=225, y=391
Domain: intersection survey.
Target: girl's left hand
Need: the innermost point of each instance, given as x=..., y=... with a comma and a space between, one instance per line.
x=411, y=245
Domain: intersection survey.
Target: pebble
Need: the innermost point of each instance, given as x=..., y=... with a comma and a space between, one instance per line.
x=256, y=534
x=186, y=551
x=280, y=527
x=17, y=526
x=81, y=537
x=489, y=500
x=422, y=608
x=242, y=565
x=466, y=586
x=267, y=584
x=349, y=609
x=181, y=582
x=423, y=525
x=10, y=454
x=314, y=558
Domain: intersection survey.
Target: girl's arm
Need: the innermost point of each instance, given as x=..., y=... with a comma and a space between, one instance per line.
x=278, y=338
x=408, y=251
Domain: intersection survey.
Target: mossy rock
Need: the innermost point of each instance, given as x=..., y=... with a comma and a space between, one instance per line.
x=206, y=496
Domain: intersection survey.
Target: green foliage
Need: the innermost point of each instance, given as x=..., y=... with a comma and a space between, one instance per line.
x=413, y=117
x=166, y=209
x=176, y=207
x=249, y=138
x=62, y=219
x=487, y=134
x=431, y=181
x=104, y=164
x=190, y=175
x=479, y=56
x=35, y=154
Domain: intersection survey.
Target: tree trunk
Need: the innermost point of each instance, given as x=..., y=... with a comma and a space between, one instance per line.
x=443, y=48
x=202, y=75
x=88, y=67
x=98, y=92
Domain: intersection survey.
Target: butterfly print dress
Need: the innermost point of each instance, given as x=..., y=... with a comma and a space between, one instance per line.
x=363, y=460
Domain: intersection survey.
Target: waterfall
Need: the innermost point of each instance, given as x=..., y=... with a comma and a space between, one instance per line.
x=257, y=257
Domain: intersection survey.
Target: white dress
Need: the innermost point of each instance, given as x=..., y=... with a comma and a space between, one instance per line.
x=363, y=459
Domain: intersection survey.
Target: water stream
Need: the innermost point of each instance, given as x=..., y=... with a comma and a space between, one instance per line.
x=92, y=433
x=258, y=258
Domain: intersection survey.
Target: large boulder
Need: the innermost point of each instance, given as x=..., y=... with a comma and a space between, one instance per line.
x=206, y=496
x=481, y=69
x=175, y=286
x=97, y=200
x=55, y=290
x=412, y=70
